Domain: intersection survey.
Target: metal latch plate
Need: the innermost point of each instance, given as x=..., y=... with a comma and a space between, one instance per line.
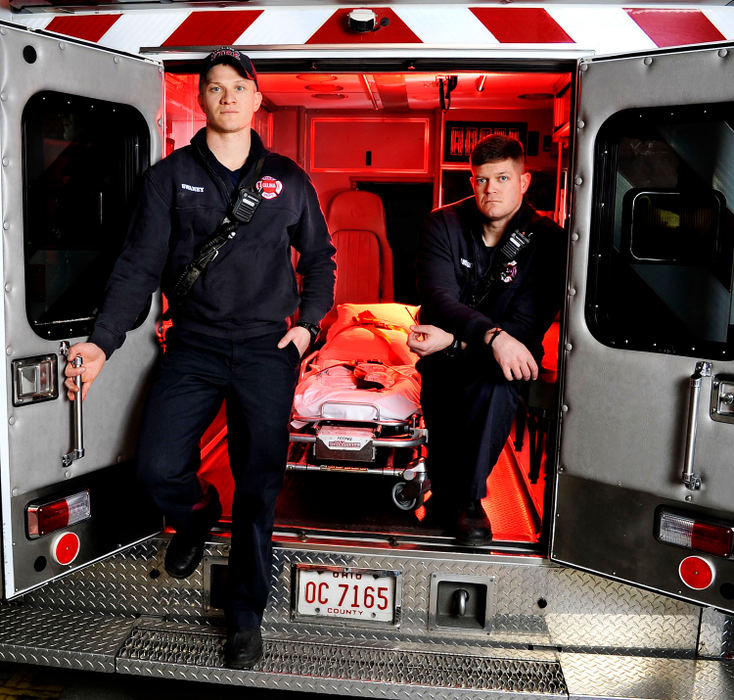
x=722, y=398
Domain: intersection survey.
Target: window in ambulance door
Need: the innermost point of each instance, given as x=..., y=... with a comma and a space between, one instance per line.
x=82, y=159
x=660, y=275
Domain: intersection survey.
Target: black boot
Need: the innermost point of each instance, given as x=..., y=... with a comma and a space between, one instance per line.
x=183, y=555
x=186, y=548
x=473, y=528
x=244, y=648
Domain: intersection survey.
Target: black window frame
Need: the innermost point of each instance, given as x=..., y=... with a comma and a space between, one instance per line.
x=120, y=164
x=611, y=331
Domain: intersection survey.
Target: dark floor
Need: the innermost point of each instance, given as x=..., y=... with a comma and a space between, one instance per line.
x=347, y=502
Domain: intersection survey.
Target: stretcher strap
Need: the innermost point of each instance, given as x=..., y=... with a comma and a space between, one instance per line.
x=367, y=320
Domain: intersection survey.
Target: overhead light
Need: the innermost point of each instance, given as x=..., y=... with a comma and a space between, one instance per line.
x=316, y=77
x=324, y=88
x=362, y=20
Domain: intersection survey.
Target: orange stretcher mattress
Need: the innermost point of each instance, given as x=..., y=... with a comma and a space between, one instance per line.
x=365, y=370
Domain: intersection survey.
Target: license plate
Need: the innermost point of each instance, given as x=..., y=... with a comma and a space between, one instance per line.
x=347, y=594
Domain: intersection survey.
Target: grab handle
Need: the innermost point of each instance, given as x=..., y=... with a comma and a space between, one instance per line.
x=690, y=480
x=77, y=452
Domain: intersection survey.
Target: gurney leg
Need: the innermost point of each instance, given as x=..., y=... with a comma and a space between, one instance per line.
x=408, y=494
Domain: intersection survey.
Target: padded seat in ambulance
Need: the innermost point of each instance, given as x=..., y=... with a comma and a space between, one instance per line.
x=356, y=220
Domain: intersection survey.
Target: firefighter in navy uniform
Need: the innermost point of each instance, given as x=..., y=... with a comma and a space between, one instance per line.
x=230, y=337
x=490, y=276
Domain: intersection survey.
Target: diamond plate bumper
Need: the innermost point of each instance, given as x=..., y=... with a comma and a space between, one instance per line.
x=552, y=633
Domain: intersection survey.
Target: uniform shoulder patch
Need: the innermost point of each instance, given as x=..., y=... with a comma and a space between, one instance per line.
x=269, y=187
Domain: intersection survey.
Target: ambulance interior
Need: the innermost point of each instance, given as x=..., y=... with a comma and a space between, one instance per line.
x=383, y=148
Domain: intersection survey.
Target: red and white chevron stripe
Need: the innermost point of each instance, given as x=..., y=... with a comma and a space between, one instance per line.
x=599, y=29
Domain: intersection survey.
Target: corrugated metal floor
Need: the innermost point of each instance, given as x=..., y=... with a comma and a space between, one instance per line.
x=25, y=682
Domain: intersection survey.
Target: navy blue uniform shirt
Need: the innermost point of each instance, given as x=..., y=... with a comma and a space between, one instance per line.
x=250, y=288
x=449, y=256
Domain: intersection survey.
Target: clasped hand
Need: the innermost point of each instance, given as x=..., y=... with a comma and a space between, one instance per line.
x=425, y=340
x=513, y=357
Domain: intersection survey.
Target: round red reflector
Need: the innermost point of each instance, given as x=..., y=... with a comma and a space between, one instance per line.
x=696, y=573
x=65, y=548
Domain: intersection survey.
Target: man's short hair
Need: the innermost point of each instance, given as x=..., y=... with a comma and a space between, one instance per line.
x=495, y=147
x=231, y=57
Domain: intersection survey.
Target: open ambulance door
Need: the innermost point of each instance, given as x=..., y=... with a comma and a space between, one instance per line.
x=645, y=478
x=77, y=128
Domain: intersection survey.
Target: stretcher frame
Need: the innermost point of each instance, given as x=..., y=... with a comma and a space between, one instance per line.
x=408, y=492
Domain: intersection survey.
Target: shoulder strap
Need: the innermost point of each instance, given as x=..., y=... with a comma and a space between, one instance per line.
x=225, y=232
x=516, y=242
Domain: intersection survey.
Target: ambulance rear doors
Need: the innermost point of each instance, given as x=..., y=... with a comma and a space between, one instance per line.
x=78, y=126
x=645, y=477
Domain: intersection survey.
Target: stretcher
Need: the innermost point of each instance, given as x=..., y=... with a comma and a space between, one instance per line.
x=357, y=403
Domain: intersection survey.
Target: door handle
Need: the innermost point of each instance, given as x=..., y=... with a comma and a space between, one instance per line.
x=691, y=480
x=77, y=452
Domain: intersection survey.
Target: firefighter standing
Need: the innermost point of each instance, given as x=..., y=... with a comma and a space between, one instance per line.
x=230, y=337
x=490, y=273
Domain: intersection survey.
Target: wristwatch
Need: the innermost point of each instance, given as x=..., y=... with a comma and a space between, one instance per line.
x=454, y=349
x=313, y=328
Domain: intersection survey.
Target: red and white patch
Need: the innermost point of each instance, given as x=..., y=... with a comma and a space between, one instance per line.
x=509, y=273
x=269, y=187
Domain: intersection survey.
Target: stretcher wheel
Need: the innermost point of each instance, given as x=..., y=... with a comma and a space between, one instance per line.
x=407, y=495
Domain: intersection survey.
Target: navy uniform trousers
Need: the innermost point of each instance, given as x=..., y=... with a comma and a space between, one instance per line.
x=469, y=408
x=257, y=381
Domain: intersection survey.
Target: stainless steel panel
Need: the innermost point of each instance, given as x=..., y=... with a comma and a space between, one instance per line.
x=624, y=412
x=722, y=399
x=716, y=637
x=625, y=409
x=622, y=544
x=635, y=644
x=111, y=527
x=130, y=583
x=390, y=672
x=61, y=638
x=356, y=667
x=39, y=434
x=629, y=678
x=536, y=605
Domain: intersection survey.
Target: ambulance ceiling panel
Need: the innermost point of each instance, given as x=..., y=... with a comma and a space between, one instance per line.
x=396, y=92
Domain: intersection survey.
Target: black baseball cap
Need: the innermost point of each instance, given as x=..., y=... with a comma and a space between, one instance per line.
x=232, y=57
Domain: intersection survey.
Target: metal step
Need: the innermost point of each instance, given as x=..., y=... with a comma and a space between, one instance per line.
x=65, y=639
x=183, y=653
x=357, y=667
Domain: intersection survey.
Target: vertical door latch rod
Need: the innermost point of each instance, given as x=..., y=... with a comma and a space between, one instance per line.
x=77, y=452
x=691, y=480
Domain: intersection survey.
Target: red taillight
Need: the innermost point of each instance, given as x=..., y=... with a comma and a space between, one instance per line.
x=43, y=518
x=688, y=532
